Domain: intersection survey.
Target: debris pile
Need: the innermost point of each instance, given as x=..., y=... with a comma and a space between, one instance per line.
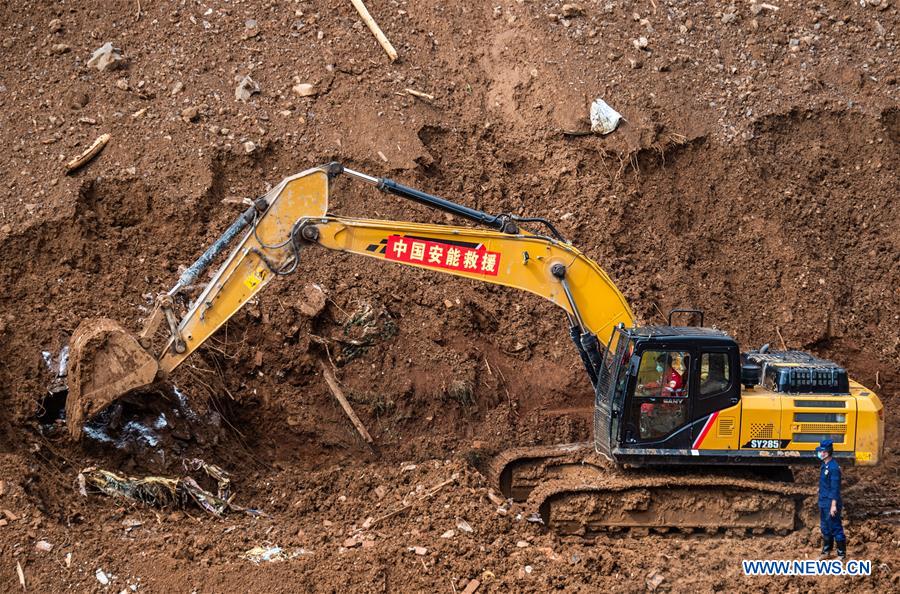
x=158, y=491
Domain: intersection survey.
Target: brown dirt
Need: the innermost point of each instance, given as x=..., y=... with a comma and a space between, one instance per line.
x=755, y=178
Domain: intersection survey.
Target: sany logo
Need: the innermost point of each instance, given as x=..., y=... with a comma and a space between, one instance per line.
x=447, y=256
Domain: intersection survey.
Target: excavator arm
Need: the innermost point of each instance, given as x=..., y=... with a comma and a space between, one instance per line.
x=292, y=217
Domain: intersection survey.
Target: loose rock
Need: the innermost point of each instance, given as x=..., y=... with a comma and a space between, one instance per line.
x=251, y=29
x=305, y=90
x=55, y=26
x=246, y=88
x=106, y=57
x=571, y=10
x=654, y=579
x=43, y=546
x=313, y=301
x=190, y=114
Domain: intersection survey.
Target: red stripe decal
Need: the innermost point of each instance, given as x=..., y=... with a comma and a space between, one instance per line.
x=706, y=427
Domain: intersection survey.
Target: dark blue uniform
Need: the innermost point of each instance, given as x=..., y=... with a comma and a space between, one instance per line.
x=830, y=490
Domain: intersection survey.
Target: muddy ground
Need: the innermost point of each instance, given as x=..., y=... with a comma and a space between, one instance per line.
x=755, y=178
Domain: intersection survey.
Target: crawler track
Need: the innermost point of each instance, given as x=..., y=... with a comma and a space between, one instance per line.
x=576, y=492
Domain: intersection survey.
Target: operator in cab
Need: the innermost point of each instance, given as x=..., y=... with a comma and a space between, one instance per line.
x=669, y=383
x=830, y=503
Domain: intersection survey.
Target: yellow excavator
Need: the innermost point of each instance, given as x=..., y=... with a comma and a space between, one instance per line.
x=689, y=432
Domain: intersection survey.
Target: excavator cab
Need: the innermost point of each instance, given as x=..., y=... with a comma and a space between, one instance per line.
x=657, y=387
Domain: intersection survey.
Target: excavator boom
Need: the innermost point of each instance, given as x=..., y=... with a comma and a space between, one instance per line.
x=293, y=216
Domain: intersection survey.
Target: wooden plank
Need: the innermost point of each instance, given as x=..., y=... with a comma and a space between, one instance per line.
x=345, y=404
x=375, y=29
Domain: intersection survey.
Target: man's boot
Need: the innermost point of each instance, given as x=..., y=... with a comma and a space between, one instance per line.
x=827, y=544
x=841, y=549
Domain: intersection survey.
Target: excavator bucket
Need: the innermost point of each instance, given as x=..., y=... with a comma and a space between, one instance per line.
x=105, y=363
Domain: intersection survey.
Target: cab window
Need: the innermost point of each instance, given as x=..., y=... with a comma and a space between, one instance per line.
x=715, y=373
x=662, y=374
x=660, y=402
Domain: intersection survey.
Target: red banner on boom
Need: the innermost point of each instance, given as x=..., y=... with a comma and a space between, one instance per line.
x=445, y=256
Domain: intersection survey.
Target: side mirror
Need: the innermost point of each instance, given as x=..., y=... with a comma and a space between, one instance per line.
x=634, y=365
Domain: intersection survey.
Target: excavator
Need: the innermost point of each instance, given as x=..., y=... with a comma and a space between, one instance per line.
x=689, y=433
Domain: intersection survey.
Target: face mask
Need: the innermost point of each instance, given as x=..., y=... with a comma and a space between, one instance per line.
x=659, y=368
x=821, y=455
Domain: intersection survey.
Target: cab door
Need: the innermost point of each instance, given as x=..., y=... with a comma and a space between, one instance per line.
x=718, y=388
x=659, y=408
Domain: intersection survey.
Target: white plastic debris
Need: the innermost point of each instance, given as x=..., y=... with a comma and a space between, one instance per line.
x=604, y=119
x=272, y=553
x=43, y=546
x=534, y=518
x=102, y=577
x=463, y=525
x=259, y=554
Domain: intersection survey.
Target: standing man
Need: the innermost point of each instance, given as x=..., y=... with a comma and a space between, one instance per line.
x=830, y=503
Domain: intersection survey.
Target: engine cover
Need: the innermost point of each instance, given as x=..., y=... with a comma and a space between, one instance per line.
x=796, y=372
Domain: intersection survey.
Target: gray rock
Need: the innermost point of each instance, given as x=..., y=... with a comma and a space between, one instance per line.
x=246, y=88
x=251, y=29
